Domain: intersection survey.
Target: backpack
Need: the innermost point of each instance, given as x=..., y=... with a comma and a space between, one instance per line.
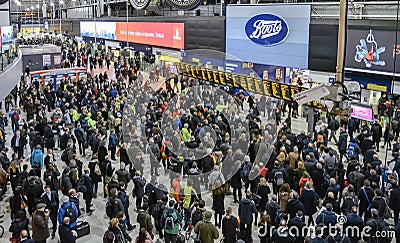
x=278, y=177
x=348, y=203
x=320, y=138
x=197, y=216
x=15, y=116
x=351, y=151
x=110, y=209
x=62, y=186
x=64, y=156
x=352, y=178
x=279, y=216
x=169, y=221
x=158, y=209
x=70, y=212
x=108, y=235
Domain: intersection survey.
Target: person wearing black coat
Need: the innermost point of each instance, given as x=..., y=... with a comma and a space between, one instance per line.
x=309, y=198
x=282, y=234
x=125, y=202
x=317, y=176
x=293, y=206
x=66, y=233
x=19, y=223
x=342, y=144
x=15, y=202
x=353, y=220
x=331, y=199
x=263, y=191
x=394, y=201
x=139, y=183
x=298, y=224
x=96, y=178
x=379, y=202
x=376, y=129
x=365, y=196
x=236, y=182
x=230, y=225
x=87, y=182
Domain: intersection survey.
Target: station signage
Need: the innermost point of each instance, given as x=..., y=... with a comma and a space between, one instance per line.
x=255, y=85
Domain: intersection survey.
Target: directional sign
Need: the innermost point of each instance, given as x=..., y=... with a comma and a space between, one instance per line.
x=315, y=93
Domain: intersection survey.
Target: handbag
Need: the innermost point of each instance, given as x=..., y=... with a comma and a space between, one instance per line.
x=97, y=170
x=82, y=229
x=257, y=198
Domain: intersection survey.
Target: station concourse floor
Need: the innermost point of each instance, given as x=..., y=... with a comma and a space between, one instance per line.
x=98, y=220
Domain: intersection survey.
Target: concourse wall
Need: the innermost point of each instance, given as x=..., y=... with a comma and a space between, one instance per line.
x=11, y=76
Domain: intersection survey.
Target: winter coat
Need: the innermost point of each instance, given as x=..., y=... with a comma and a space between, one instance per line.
x=308, y=198
x=17, y=226
x=139, y=183
x=283, y=199
x=95, y=177
x=327, y=218
x=292, y=206
x=208, y=232
x=395, y=199
x=218, y=203
x=40, y=227
x=342, y=143
x=66, y=235
x=246, y=210
x=229, y=227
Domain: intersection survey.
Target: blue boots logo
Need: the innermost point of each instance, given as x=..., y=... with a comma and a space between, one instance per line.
x=267, y=29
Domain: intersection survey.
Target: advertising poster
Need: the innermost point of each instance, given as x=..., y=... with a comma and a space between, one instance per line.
x=6, y=34
x=87, y=28
x=106, y=30
x=361, y=112
x=57, y=60
x=46, y=60
x=158, y=34
x=269, y=34
x=372, y=51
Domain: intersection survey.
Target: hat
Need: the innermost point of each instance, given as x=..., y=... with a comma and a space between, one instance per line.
x=38, y=146
x=40, y=205
x=247, y=158
x=207, y=216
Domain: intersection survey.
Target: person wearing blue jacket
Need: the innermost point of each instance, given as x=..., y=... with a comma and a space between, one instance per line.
x=37, y=157
x=65, y=211
x=327, y=216
x=112, y=143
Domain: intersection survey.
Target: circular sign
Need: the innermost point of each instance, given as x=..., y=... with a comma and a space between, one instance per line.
x=140, y=4
x=184, y=4
x=267, y=29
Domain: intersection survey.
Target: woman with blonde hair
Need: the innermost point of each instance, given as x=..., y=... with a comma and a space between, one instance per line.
x=310, y=200
x=297, y=175
x=115, y=234
x=13, y=171
x=260, y=196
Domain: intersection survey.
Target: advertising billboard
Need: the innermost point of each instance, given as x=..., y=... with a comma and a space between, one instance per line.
x=6, y=34
x=362, y=112
x=269, y=34
x=103, y=29
x=372, y=51
x=157, y=34
x=169, y=35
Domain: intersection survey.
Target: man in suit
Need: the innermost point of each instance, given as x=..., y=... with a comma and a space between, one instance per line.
x=24, y=237
x=50, y=198
x=18, y=143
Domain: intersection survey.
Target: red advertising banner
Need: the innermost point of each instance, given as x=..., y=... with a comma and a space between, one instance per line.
x=157, y=34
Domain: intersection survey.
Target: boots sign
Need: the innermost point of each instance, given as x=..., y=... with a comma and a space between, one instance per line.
x=267, y=29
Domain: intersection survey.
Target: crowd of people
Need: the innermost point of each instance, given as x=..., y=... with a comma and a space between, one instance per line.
x=181, y=152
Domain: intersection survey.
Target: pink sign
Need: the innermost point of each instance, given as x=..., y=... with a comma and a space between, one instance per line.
x=363, y=113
